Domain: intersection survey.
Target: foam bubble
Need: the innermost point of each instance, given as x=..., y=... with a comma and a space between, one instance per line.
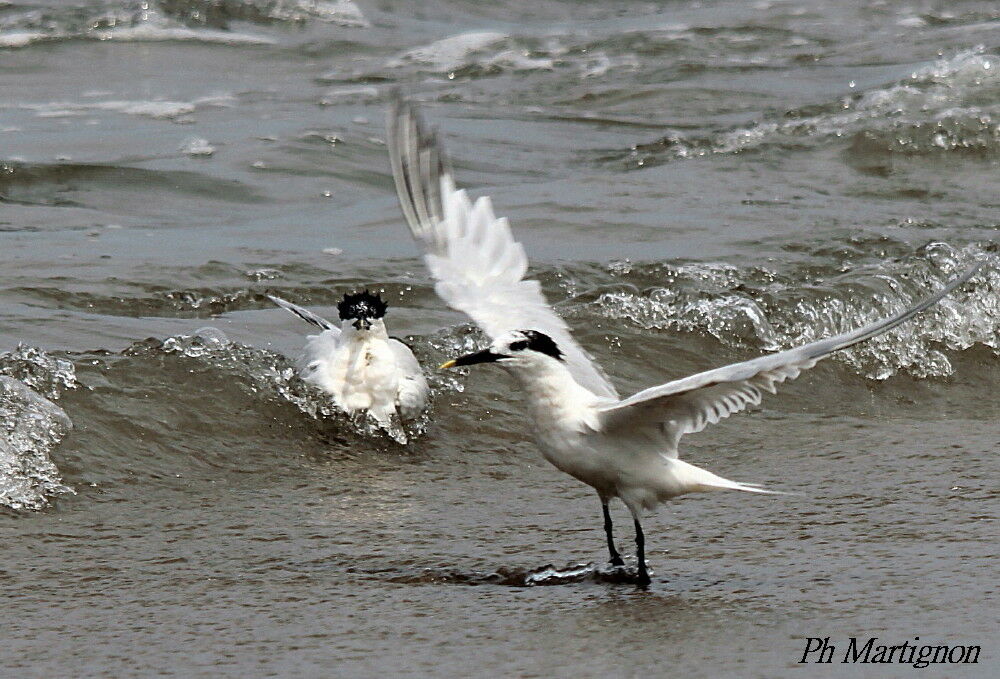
x=196, y=146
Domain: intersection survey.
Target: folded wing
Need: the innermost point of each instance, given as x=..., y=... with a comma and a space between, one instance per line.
x=478, y=265
x=413, y=393
x=690, y=404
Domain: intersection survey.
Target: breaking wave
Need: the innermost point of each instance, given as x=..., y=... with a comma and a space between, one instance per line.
x=268, y=376
x=583, y=55
x=134, y=21
x=221, y=12
x=32, y=426
x=946, y=106
x=216, y=390
x=461, y=56
x=137, y=399
x=770, y=311
x=204, y=21
x=165, y=109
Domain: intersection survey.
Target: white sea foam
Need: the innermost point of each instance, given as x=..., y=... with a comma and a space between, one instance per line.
x=350, y=93
x=151, y=32
x=196, y=146
x=21, y=38
x=152, y=108
x=342, y=12
x=151, y=27
x=448, y=53
x=927, y=111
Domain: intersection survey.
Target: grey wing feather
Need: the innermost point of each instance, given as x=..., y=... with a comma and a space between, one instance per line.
x=479, y=267
x=304, y=314
x=690, y=404
x=418, y=163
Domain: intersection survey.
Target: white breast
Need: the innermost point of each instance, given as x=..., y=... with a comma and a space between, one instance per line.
x=563, y=414
x=358, y=370
x=366, y=372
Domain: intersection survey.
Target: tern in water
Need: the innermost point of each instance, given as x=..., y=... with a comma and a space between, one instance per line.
x=622, y=448
x=358, y=364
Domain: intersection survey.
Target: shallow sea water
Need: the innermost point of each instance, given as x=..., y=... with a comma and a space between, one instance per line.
x=695, y=183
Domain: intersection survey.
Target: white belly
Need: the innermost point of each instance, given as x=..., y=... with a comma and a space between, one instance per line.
x=361, y=374
x=571, y=449
x=631, y=469
x=366, y=376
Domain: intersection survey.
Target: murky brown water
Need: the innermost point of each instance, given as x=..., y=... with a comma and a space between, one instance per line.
x=695, y=184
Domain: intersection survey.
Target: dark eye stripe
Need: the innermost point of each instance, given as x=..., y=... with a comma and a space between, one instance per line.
x=538, y=341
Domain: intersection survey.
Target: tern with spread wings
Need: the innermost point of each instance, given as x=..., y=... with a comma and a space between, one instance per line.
x=622, y=448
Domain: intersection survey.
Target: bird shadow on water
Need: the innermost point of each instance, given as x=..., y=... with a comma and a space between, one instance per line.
x=517, y=576
x=719, y=588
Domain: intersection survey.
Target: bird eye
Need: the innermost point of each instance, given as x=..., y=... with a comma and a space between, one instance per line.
x=519, y=345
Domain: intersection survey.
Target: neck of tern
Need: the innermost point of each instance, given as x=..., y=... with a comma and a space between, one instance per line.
x=556, y=399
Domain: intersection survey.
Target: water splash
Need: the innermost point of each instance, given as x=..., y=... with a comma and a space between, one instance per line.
x=517, y=576
x=32, y=427
x=44, y=373
x=197, y=146
x=701, y=297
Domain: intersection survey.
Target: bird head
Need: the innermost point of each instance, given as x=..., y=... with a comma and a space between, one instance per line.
x=362, y=309
x=519, y=348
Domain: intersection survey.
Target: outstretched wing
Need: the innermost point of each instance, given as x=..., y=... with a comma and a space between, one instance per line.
x=478, y=265
x=304, y=314
x=690, y=404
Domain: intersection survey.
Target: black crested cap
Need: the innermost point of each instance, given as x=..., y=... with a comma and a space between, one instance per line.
x=361, y=305
x=540, y=342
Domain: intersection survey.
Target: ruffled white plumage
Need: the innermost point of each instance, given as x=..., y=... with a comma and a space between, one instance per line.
x=362, y=371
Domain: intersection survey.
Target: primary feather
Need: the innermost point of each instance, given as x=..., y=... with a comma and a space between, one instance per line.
x=304, y=314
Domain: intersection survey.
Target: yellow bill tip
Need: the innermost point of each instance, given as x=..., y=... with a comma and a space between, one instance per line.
x=446, y=365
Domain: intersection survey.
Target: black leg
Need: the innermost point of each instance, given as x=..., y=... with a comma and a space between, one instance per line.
x=640, y=551
x=616, y=558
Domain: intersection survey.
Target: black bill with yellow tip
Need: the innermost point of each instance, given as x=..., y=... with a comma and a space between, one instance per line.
x=484, y=356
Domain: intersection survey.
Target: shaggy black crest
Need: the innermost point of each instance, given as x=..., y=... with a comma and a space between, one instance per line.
x=540, y=342
x=361, y=305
